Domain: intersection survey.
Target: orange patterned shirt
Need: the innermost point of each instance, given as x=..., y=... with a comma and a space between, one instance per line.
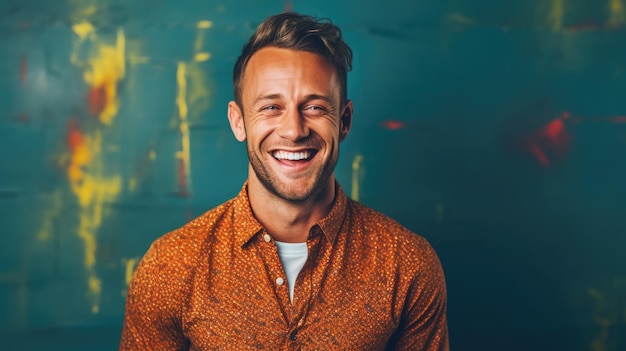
x=217, y=283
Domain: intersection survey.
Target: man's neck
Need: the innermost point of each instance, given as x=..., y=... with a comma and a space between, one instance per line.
x=288, y=221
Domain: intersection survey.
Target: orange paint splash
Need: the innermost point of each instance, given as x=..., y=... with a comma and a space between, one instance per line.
x=80, y=153
x=75, y=137
x=98, y=100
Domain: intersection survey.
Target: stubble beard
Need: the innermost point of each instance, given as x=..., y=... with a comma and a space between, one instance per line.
x=286, y=192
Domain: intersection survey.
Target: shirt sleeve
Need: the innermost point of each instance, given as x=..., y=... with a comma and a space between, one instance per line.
x=424, y=325
x=152, y=319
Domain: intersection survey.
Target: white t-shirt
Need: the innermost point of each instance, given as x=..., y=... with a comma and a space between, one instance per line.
x=293, y=257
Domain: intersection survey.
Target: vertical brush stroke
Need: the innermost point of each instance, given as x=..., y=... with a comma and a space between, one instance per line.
x=356, y=169
x=51, y=213
x=617, y=14
x=23, y=69
x=183, y=156
x=555, y=15
x=129, y=265
x=91, y=181
x=199, y=95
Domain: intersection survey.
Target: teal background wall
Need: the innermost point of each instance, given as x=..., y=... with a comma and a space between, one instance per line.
x=496, y=129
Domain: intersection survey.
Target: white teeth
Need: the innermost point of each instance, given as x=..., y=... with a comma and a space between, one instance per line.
x=293, y=156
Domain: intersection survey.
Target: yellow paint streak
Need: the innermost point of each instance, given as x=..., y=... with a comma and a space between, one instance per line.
x=199, y=94
x=130, y=264
x=92, y=183
x=83, y=29
x=555, y=17
x=618, y=15
x=93, y=192
x=105, y=71
x=197, y=44
x=202, y=56
x=356, y=168
x=181, y=101
x=181, y=98
x=204, y=24
x=81, y=157
x=95, y=290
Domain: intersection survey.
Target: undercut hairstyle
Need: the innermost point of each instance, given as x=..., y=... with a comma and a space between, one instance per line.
x=298, y=32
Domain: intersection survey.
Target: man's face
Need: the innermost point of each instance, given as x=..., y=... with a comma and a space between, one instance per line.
x=293, y=121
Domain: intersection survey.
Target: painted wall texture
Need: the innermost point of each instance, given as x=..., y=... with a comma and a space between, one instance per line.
x=496, y=129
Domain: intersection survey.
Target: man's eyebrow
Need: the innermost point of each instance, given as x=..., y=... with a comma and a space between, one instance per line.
x=266, y=97
x=320, y=97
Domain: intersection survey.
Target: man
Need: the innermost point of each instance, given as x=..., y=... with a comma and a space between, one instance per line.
x=291, y=262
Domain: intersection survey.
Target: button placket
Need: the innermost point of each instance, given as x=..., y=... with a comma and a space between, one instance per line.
x=268, y=251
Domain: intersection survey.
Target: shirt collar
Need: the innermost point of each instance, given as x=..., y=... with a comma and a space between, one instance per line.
x=246, y=225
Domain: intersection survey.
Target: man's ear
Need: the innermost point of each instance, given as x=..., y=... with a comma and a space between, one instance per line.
x=345, y=121
x=235, y=118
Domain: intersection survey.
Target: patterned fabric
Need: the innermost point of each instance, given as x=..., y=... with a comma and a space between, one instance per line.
x=217, y=284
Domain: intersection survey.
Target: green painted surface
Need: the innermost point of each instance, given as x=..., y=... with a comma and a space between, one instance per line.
x=495, y=129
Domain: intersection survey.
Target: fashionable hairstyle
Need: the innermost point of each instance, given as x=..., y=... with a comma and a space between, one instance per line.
x=297, y=32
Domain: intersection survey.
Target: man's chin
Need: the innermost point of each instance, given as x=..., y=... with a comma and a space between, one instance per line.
x=293, y=193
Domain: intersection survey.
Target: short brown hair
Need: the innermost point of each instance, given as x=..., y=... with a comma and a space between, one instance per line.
x=298, y=32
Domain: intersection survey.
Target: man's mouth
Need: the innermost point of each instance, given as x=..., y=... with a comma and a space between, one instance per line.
x=304, y=155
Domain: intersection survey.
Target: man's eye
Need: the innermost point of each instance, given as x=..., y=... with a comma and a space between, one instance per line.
x=271, y=107
x=315, y=110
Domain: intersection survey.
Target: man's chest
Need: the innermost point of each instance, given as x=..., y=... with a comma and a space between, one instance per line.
x=242, y=302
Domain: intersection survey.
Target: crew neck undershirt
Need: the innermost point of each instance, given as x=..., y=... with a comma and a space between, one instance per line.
x=293, y=257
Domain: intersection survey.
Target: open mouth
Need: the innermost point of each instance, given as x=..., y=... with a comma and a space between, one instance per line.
x=302, y=156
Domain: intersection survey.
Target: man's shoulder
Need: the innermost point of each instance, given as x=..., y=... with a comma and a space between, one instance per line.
x=192, y=236
x=387, y=230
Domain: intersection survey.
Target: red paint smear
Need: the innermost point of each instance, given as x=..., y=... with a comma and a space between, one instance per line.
x=393, y=125
x=75, y=137
x=553, y=130
x=23, y=62
x=583, y=26
x=551, y=142
x=618, y=119
x=182, y=179
x=539, y=155
x=97, y=100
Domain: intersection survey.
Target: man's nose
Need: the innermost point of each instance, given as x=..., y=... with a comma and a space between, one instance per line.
x=293, y=126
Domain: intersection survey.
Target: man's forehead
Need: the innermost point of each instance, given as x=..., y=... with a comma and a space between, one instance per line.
x=272, y=64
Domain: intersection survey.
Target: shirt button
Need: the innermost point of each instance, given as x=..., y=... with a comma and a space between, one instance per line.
x=267, y=238
x=280, y=281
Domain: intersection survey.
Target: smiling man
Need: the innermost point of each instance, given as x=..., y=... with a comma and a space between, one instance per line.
x=290, y=263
